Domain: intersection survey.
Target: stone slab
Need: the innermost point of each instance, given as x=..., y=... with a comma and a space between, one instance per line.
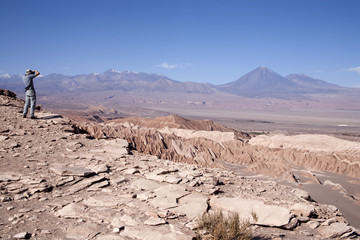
x=335, y=230
x=167, y=196
x=267, y=215
x=72, y=171
x=193, y=206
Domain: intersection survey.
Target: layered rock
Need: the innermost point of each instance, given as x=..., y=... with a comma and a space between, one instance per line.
x=59, y=183
x=211, y=148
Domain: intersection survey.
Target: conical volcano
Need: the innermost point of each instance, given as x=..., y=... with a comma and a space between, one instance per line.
x=262, y=82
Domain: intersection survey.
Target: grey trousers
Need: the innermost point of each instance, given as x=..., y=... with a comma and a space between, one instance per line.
x=30, y=100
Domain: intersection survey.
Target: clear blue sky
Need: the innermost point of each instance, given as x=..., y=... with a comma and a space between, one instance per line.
x=186, y=40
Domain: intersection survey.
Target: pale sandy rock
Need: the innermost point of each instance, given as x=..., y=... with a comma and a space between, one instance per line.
x=144, y=184
x=303, y=210
x=72, y=210
x=152, y=221
x=83, y=231
x=180, y=149
x=194, y=183
x=192, y=225
x=100, y=168
x=301, y=194
x=2, y=138
x=12, y=145
x=215, y=136
x=168, y=178
x=190, y=174
x=113, y=148
x=332, y=208
x=145, y=196
x=153, y=158
x=151, y=233
x=128, y=221
x=43, y=187
x=131, y=171
x=192, y=206
x=172, y=179
x=64, y=181
x=72, y=171
x=24, y=210
x=45, y=231
x=106, y=200
x=98, y=186
x=109, y=237
x=84, y=184
x=118, y=180
x=166, y=171
x=167, y=196
x=116, y=222
x=335, y=230
x=313, y=224
x=156, y=177
x=9, y=177
x=310, y=142
x=267, y=215
x=22, y=235
x=329, y=221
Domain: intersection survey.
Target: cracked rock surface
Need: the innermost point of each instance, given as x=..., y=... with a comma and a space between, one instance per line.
x=58, y=183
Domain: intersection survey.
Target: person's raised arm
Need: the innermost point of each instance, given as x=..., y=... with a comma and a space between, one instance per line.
x=37, y=73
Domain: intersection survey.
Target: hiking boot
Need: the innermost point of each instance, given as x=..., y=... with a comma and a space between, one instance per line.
x=33, y=117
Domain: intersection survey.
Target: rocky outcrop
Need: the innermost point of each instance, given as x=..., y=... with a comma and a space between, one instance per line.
x=57, y=183
x=211, y=148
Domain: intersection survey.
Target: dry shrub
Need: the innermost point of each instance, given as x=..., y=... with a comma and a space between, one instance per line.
x=216, y=226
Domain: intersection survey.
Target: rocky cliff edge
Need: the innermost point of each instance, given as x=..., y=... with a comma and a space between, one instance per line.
x=57, y=182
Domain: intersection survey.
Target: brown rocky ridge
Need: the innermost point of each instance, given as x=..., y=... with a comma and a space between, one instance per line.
x=58, y=182
x=206, y=143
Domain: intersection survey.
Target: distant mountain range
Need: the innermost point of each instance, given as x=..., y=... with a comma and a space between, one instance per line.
x=261, y=82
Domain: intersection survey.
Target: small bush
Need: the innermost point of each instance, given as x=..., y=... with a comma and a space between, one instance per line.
x=215, y=226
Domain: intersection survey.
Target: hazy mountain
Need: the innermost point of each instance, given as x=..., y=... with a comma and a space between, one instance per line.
x=312, y=83
x=126, y=81
x=262, y=82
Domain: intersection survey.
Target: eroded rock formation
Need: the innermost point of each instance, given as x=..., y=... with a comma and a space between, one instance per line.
x=56, y=182
x=188, y=142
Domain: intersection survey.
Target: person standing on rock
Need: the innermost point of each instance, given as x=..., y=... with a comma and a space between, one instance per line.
x=30, y=94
